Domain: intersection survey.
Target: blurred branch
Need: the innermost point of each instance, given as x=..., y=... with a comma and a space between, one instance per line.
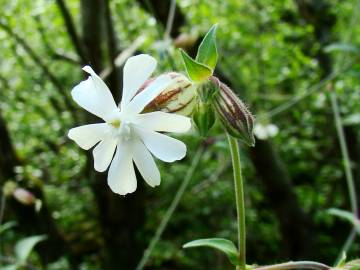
x=72, y=30
x=296, y=99
x=225, y=164
x=41, y=64
x=160, y=10
x=345, y=153
x=170, y=20
x=51, y=51
x=170, y=211
x=347, y=167
x=115, y=77
x=123, y=56
x=54, y=102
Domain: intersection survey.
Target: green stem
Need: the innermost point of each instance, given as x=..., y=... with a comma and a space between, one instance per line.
x=240, y=202
x=344, y=153
x=348, y=173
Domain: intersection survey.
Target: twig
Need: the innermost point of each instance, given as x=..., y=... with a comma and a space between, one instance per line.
x=170, y=211
x=2, y=210
x=349, y=241
x=71, y=30
x=41, y=64
x=344, y=152
x=213, y=178
x=125, y=54
x=170, y=20
x=347, y=168
x=289, y=104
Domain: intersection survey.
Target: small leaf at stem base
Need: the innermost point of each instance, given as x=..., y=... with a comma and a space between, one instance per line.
x=224, y=245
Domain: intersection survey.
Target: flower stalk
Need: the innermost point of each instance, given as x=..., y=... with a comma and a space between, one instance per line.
x=240, y=202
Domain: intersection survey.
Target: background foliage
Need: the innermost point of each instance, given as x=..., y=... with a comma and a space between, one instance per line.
x=284, y=58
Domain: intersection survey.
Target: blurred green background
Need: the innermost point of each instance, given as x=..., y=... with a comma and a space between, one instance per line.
x=284, y=58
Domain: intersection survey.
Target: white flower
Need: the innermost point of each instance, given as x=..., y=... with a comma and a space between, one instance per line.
x=135, y=136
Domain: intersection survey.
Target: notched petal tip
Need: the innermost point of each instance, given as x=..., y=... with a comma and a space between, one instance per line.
x=72, y=135
x=122, y=192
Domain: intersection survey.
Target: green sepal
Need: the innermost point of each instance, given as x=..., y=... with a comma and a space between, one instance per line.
x=224, y=245
x=203, y=118
x=207, y=53
x=196, y=71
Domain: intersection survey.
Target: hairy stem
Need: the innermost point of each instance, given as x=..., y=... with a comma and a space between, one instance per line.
x=240, y=202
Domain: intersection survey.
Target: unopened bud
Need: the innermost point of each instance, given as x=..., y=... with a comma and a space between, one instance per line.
x=233, y=113
x=24, y=196
x=178, y=97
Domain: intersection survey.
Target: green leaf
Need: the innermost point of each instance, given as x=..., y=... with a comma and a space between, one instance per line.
x=11, y=267
x=6, y=226
x=342, y=261
x=196, y=71
x=224, y=245
x=207, y=53
x=341, y=47
x=346, y=215
x=24, y=247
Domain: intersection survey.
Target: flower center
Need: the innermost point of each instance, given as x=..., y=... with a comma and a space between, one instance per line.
x=115, y=123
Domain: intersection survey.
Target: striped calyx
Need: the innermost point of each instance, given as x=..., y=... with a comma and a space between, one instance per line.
x=233, y=113
x=203, y=117
x=178, y=97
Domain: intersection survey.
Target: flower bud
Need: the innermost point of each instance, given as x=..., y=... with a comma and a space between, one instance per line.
x=233, y=113
x=178, y=97
x=24, y=196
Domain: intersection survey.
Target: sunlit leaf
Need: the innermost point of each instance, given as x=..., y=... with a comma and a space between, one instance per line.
x=24, y=247
x=207, y=53
x=196, y=71
x=6, y=226
x=341, y=47
x=224, y=245
x=10, y=267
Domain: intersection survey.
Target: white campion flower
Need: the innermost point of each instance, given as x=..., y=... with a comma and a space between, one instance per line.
x=135, y=136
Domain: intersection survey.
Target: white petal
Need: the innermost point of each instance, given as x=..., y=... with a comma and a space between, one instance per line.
x=87, y=136
x=137, y=70
x=121, y=177
x=103, y=154
x=161, y=146
x=145, y=163
x=161, y=121
x=138, y=103
x=94, y=96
